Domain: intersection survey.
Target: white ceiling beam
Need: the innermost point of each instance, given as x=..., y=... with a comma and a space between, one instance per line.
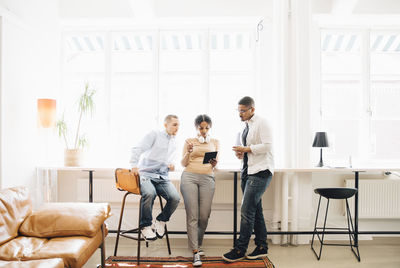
x=343, y=7
x=143, y=9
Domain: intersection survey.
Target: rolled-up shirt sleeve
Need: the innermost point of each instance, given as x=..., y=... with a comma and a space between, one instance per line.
x=265, y=137
x=145, y=144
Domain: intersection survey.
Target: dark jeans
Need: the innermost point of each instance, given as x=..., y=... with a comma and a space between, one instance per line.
x=150, y=188
x=252, y=217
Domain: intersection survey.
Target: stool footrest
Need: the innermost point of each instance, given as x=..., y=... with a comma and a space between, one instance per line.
x=132, y=231
x=334, y=244
x=131, y=237
x=331, y=228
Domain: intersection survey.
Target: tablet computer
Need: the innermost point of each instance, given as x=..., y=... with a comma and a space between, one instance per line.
x=208, y=156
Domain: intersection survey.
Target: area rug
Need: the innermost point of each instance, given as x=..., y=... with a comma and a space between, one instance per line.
x=183, y=262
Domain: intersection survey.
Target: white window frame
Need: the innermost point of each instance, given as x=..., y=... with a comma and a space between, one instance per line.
x=365, y=141
x=156, y=71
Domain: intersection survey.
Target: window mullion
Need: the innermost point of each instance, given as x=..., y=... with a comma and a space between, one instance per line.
x=256, y=64
x=206, y=67
x=156, y=70
x=107, y=77
x=366, y=70
x=366, y=94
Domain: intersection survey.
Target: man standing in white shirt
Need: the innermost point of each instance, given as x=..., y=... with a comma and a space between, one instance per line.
x=258, y=164
x=153, y=158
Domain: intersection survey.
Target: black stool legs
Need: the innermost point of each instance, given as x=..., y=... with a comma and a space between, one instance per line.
x=166, y=230
x=351, y=234
x=315, y=229
x=350, y=230
x=136, y=230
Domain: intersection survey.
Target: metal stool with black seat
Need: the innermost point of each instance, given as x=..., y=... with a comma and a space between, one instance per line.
x=335, y=193
x=127, y=181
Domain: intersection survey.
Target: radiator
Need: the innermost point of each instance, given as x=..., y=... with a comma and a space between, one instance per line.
x=377, y=198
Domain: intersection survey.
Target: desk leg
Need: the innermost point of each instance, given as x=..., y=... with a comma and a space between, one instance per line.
x=235, y=178
x=91, y=186
x=356, y=209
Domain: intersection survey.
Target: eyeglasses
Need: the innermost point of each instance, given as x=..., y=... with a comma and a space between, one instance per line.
x=243, y=111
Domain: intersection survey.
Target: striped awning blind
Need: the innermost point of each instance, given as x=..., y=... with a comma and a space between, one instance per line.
x=351, y=42
x=168, y=41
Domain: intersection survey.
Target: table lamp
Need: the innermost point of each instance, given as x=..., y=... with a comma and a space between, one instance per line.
x=46, y=112
x=320, y=140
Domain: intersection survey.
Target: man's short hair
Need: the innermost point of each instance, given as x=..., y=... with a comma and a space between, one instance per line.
x=168, y=118
x=247, y=101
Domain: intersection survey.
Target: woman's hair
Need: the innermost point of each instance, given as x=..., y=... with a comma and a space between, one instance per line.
x=202, y=118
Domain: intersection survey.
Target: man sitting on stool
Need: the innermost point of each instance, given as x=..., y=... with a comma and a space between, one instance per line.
x=157, y=150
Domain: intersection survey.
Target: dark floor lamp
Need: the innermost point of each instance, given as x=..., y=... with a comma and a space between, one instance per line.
x=320, y=141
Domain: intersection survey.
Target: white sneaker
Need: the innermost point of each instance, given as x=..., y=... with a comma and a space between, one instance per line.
x=201, y=252
x=149, y=234
x=197, y=260
x=159, y=226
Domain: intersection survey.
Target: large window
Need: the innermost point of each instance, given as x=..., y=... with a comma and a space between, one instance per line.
x=141, y=76
x=385, y=94
x=360, y=91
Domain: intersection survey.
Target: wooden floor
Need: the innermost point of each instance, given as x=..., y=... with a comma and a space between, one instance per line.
x=378, y=253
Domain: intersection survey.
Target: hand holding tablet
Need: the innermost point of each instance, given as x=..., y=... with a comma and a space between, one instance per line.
x=208, y=156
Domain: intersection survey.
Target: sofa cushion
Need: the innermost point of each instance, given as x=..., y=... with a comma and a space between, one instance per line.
x=15, y=206
x=66, y=219
x=45, y=263
x=21, y=248
x=74, y=250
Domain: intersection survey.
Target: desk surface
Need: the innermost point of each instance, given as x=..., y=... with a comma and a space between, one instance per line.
x=236, y=169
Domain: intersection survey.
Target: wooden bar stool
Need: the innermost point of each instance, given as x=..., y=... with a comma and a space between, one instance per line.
x=335, y=193
x=126, y=181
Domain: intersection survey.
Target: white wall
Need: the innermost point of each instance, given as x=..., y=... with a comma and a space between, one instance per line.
x=163, y=8
x=94, y=8
x=29, y=70
x=213, y=8
x=356, y=7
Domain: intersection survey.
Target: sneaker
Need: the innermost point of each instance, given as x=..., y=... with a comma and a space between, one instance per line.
x=201, y=252
x=197, y=260
x=259, y=251
x=159, y=226
x=233, y=255
x=148, y=234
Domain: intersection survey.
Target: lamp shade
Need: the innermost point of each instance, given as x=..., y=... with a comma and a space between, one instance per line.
x=320, y=140
x=46, y=112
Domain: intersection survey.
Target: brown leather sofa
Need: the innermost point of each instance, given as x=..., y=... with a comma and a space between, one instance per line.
x=53, y=263
x=56, y=235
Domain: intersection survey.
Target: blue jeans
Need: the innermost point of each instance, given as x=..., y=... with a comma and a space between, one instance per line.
x=252, y=217
x=150, y=188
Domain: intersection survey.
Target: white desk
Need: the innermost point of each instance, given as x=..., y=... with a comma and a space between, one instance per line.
x=284, y=189
x=288, y=178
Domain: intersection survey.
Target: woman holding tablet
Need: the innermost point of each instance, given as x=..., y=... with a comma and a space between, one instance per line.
x=198, y=184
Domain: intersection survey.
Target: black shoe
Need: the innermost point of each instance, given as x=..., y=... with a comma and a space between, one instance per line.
x=259, y=251
x=233, y=255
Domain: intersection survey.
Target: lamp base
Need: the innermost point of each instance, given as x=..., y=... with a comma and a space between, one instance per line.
x=321, y=163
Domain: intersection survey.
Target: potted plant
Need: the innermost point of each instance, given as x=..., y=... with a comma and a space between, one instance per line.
x=73, y=154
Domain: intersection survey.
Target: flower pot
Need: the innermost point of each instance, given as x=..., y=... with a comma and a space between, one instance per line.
x=72, y=157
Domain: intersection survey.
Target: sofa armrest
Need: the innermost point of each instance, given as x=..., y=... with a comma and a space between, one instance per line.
x=66, y=219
